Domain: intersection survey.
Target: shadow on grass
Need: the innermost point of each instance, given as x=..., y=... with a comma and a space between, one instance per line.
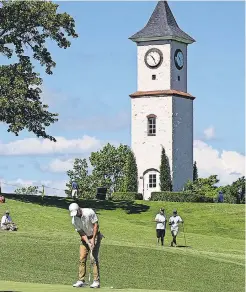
x=186, y=246
x=130, y=207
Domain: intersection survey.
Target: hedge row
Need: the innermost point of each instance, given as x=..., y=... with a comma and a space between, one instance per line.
x=126, y=196
x=179, y=197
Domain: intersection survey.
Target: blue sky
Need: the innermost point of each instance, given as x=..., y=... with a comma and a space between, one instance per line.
x=92, y=81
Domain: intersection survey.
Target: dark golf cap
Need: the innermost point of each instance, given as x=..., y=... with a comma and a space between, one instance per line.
x=174, y=211
x=162, y=209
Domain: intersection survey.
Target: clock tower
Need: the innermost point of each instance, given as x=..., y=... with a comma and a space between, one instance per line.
x=162, y=109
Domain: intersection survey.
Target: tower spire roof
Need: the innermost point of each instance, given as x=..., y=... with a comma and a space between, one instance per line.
x=162, y=26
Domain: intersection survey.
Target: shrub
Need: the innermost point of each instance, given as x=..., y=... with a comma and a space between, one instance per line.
x=126, y=196
x=179, y=197
x=228, y=198
x=87, y=195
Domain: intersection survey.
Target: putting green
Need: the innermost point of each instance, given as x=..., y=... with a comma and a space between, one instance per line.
x=33, y=287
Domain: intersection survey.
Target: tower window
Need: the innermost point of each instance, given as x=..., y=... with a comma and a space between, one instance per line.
x=151, y=125
x=178, y=78
x=153, y=77
x=152, y=181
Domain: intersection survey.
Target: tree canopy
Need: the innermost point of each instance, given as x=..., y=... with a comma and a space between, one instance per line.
x=25, y=28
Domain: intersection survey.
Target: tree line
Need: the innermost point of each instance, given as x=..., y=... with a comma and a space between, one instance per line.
x=115, y=168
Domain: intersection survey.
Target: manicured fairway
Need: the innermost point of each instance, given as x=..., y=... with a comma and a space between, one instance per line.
x=45, y=248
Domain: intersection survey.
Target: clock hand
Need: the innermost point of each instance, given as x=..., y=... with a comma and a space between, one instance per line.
x=153, y=58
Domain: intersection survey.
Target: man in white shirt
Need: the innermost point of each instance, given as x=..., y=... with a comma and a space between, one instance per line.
x=6, y=222
x=174, y=222
x=86, y=224
x=160, y=220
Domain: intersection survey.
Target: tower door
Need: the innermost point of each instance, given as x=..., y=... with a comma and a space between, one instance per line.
x=151, y=183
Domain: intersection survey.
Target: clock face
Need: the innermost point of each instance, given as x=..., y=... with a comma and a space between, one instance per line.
x=153, y=58
x=179, y=59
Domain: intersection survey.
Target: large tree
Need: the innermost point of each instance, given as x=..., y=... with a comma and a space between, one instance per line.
x=165, y=173
x=108, y=166
x=130, y=174
x=25, y=28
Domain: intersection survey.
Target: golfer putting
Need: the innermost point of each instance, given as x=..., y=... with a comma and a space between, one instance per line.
x=86, y=224
x=174, y=222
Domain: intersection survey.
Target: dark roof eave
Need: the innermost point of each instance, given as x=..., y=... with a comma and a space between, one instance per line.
x=159, y=38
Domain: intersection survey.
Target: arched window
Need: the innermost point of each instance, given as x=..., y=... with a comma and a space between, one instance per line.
x=151, y=125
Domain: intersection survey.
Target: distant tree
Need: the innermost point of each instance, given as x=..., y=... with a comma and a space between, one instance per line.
x=165, y=173
x=204, y=186
x=235, y=193
x=195, y=172
x=108, y=166
x=131, y=174
x=80, y=174
x=25, y=29
x=31, y=190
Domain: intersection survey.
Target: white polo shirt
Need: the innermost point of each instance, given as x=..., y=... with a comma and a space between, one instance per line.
x=161, y=223
x=176, y=220
x=86, y=221
x=5, y=219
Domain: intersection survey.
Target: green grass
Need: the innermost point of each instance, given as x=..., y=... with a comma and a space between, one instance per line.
x=30, y=287
x=45, y=248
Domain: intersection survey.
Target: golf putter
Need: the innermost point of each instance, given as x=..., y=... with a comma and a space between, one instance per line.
x=91, y=260
x=184, y=235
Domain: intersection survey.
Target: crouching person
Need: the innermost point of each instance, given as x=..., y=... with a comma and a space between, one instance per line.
x=86, y=224
x=7, y=223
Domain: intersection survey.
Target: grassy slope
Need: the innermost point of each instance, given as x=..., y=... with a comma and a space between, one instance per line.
x=45, y=249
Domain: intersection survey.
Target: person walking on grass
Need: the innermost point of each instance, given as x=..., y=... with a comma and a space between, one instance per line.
x=75, y=189
x=86, y=224
x=174, y=222
x=160, y=220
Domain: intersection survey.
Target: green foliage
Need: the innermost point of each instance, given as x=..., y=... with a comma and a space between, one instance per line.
x=126, y=196
x=108, y=166
x=203, y=186
x=165, y=174
x=235, y=193
x=195, y=172
x=81, y=175
x=130, y=174
x=25, y=28
x=31, y=190
x=179, y=197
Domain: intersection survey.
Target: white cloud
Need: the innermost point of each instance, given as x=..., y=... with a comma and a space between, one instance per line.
x=209, y=133
x=58, y=165
x=228, y=165
x=35, y=146
x=63, y=165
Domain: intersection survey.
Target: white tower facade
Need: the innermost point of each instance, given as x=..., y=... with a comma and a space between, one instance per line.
x=162, y=110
